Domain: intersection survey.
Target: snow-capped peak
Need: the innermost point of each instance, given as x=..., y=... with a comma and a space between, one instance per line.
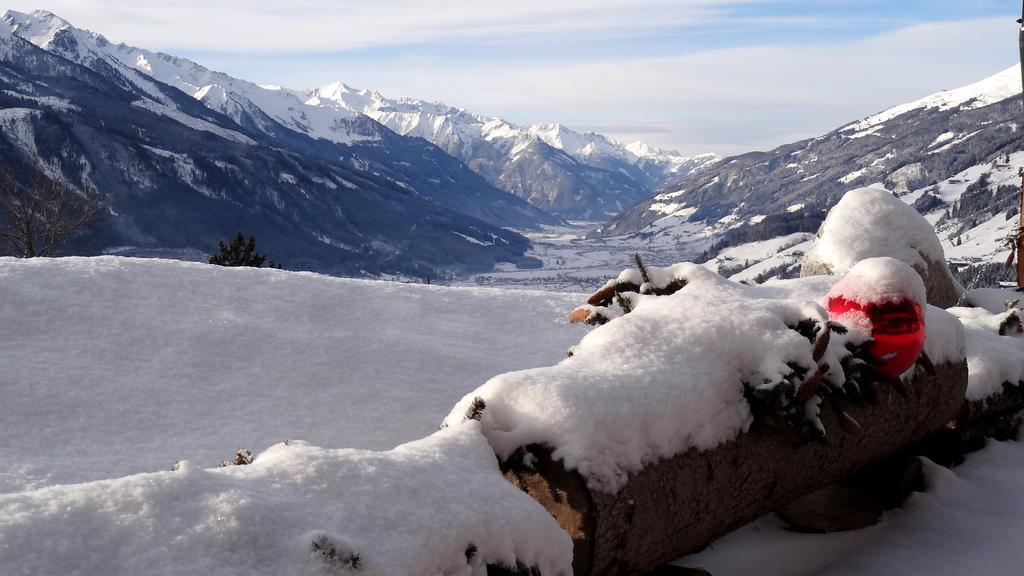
x=335, y=91
x=988, y=91
x=642, y=150
x=457, y=130
x=39, y=27
x=228, y=95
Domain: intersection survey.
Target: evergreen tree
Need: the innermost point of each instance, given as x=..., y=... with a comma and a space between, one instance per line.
x=240, y=252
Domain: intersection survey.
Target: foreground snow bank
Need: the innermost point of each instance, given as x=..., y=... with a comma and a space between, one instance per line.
x=435, y=506
x=114, y=366
x=668, y=376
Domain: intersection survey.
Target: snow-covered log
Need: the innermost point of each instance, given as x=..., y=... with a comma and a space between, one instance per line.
x=678, y=506
x=704, y=407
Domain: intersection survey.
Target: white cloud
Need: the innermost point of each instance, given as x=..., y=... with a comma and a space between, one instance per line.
x=725, y=100
x=303, y=25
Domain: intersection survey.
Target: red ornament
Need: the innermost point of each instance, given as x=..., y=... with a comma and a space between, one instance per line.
x=897, y=329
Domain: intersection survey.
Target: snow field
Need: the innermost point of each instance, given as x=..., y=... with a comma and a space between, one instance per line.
x=114, y=366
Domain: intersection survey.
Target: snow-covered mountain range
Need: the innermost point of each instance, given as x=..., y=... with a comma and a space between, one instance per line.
x=176, y=176
x=283, y=115
x=953, y=154
x=906, y=147
x=569, y=173
x=552, y=167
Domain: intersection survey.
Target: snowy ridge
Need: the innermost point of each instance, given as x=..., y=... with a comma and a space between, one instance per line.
x=54, y=34
x=547, y=164
x=596, y=176
x=192, y=122
x=457, y=128
x=927, y=152
x=7, y=40
x=221, y=92
x=993, y=89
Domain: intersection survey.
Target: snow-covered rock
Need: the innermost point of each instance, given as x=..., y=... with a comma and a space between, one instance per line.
x=871, y=222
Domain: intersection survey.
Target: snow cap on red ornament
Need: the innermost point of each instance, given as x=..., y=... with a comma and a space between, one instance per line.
x=882, y=299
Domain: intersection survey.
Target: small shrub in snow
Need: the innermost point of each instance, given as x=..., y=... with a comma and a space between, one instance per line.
x=476, y=409
x=337, y=555
x=1011, y=324
x=240, y=252
x=242, y=458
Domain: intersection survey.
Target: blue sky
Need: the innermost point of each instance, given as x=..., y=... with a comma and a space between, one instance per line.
x=697, y=75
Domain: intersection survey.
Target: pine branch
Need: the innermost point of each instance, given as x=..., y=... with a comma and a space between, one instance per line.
x=625, y=303
x=808, y=328
x=243, y=457
x=838, y=328
x=476, y=409
x=643, y=269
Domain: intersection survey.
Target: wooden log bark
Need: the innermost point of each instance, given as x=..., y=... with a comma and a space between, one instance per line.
x=678, y=506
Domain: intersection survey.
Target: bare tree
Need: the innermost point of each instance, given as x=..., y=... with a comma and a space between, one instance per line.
x=39, y=220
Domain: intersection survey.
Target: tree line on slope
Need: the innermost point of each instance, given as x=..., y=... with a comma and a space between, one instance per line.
x=38, y=219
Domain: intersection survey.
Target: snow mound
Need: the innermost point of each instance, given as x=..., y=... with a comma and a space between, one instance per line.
x=114, y=366
x=993, y=299
x=871, y=222
x=880, y=281
x=439, y=505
